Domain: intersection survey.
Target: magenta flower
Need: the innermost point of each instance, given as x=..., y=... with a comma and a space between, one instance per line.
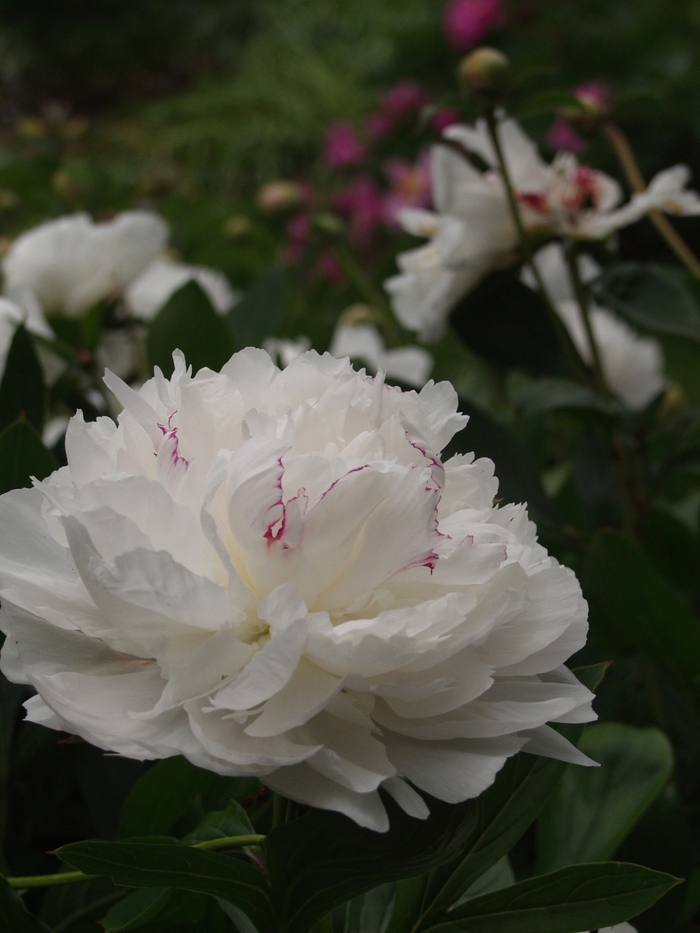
x=343, y=148
x=444, y=117
x=328, y=267
x=409, y=187
x=561, y=135
x=402, y=100
x=466, y=22
x=361, y=202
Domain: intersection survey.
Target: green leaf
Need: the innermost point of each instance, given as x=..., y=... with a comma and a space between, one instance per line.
x=592, y=810
x=498, y=876
x=22, y=387
x=673, y=549
x=233, y=821
x=188, y=322
x=147, y=865
x=506, y=810
x=640, y=606
x=371, y=912
x=259, y=314
x=682, y=364
x=518, y=478
x=14, y=916
x=22, y=455
x=135, y=909
x=654, y=298
x=580, y=897
x=545, y=395
x=324, y=859
x=162, y=796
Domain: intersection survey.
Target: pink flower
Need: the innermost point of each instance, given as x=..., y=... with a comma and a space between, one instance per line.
x=342, y=148
x=402, y=100
x=444, y=117
x=466, y=22
x=561, y=135
x=361, y=202
x=594, y=95
x=409, y=187
x=328, y=267
x=297, y=228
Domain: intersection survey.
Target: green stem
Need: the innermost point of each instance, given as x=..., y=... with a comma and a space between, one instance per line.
x=45, y=881
x=625, y=156
x=71, y=877
x=573, y=357
x=279, y=811
x=584, y=305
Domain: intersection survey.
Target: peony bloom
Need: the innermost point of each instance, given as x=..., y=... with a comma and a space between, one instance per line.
x=633, y=365
x=410, y=365
x=466, y=22
x=425, y=290
x=72, y=263
x=272, y=573
x=151, y=290
x=342, y=148
x=472, y=230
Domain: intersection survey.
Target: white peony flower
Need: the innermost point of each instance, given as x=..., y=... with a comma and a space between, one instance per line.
x=472, y=230
x=272, y=573
x=411, y=365
x=72, y=263
x=152, y=289
x=633, y=365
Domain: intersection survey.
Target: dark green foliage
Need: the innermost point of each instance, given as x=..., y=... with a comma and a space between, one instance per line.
x=189, y=323
x=22, y=456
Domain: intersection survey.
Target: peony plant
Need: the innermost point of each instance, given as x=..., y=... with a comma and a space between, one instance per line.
x=281, y=653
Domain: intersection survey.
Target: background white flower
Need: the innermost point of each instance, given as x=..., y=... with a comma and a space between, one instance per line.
x=72, y=263
x=410, y=365
x=151, y=290
x=633, y=365
x=273, y=573
x=471, y=231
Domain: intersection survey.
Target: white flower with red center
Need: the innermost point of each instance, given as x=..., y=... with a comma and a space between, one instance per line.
x=273, y=573
x=472, y=230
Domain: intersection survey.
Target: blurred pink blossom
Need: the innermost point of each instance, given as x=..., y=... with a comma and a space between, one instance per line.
x=361, y=202
x=328, y=267
x=595, y=95
x=561, y=135
x=402, y=100
x=343, y=148
x=409, y=187
x=466, y=22
x=298, y=233
x=445, y=117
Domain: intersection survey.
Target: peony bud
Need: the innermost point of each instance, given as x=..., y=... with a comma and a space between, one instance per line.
x=487, y=73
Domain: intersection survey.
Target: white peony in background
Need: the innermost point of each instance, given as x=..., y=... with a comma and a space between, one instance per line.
x=273, y=573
